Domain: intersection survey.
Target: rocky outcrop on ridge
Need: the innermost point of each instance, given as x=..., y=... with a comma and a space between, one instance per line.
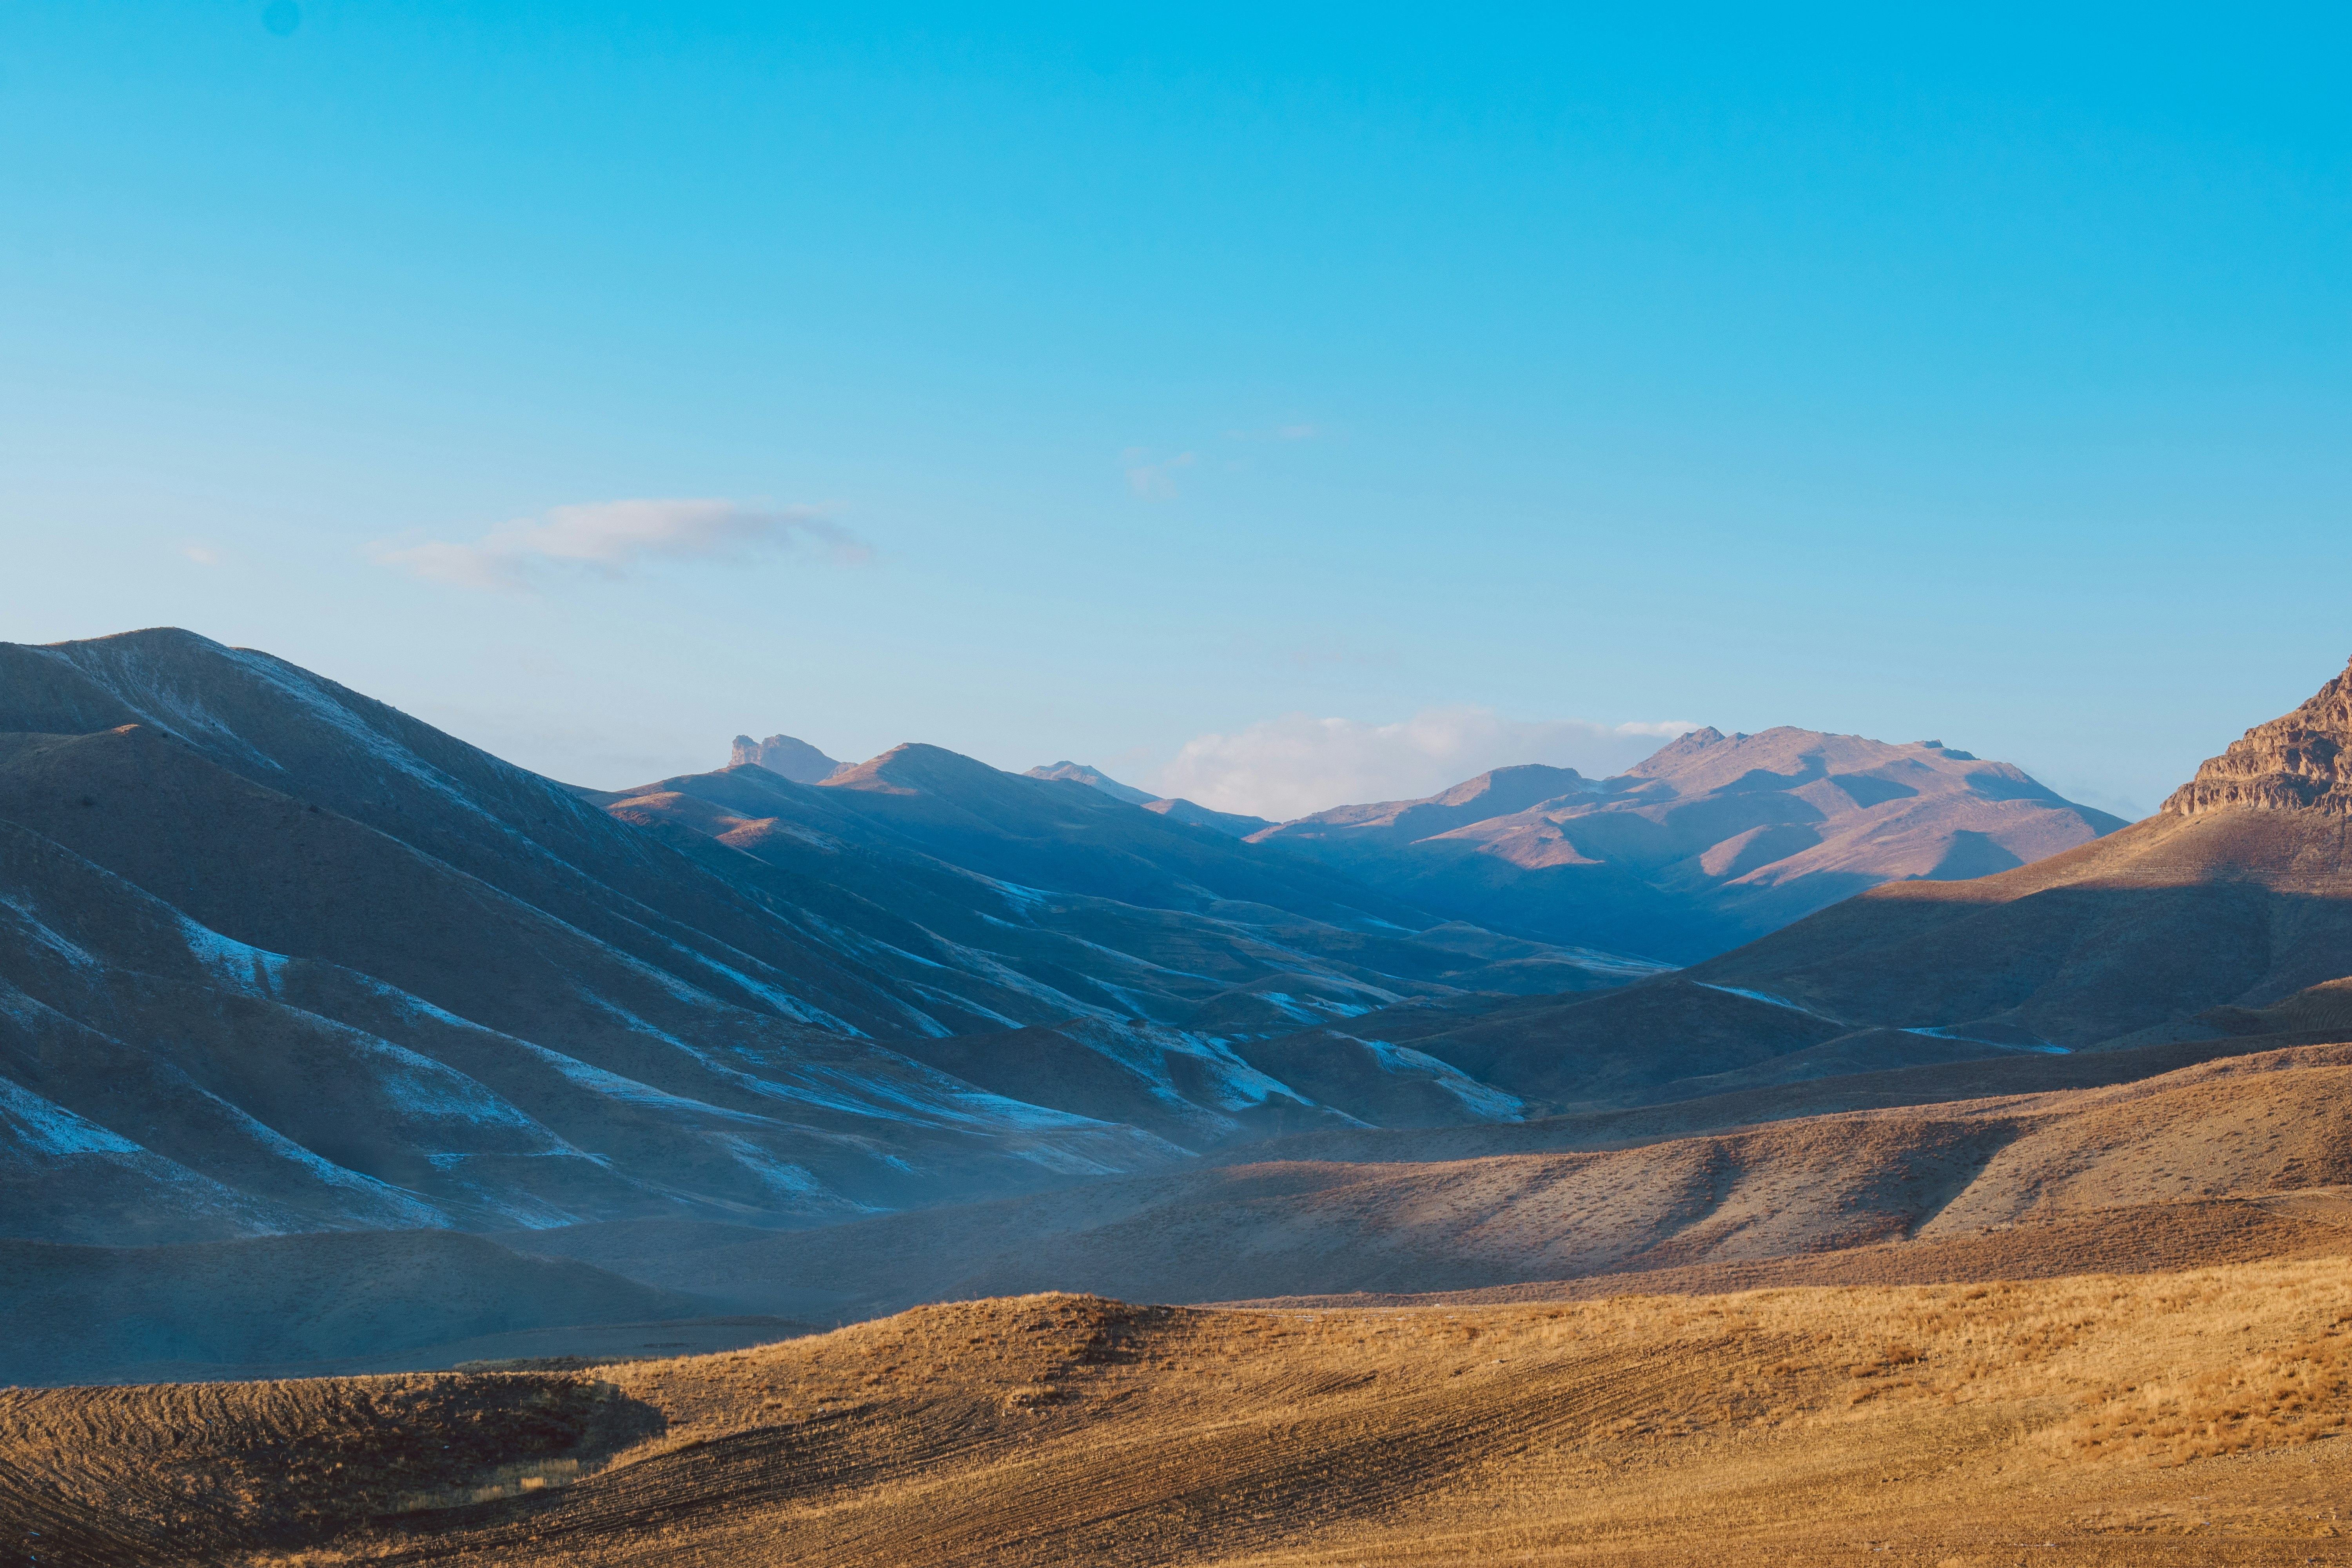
x=796, y=759
x=2302, y=762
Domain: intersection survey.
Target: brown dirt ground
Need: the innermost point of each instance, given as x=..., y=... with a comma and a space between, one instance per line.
x=2192, y=1417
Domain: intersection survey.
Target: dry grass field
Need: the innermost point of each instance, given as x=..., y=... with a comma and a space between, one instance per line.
x=2198, y=1417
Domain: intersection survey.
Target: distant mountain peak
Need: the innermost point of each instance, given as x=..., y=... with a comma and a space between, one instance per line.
x=1681, y=748
x=2302, y=760
x=1092, y=778
x=796, y=759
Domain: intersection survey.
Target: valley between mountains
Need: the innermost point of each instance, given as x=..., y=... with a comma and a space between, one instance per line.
x=909, y=1159
x=280, y=960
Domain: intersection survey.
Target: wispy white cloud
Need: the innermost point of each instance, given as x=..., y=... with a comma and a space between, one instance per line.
x=1297, y=764
x=618, y=538
x=204, y=554
x=1154, y=480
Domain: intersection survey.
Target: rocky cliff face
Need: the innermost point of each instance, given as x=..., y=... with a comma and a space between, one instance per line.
x=2302, y=762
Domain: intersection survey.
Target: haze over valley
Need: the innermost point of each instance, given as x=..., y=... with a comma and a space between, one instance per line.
x=286, y=961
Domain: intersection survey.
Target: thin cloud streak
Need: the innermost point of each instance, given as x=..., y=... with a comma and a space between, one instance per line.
x=620, y=539
x=1297, y=765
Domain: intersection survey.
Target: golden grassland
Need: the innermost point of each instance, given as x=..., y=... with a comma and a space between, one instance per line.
x=2198, y=1416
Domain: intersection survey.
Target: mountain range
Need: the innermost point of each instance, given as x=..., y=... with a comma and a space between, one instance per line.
x=280, y=958
x=277, y=961
x=1711, y=842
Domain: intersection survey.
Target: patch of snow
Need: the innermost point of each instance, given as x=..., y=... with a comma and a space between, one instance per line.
x=247, y=969
x=984, y=965
x=628, y=1090
x=640, y=1025
x=528, y=1213
x=1286, y=1006
x=412, y=1005
x=424, y=1087
x=38, y=931
x=321, y=706
x=1144, y=1049
x=405, y=1208
x=1594, y=960
x=1241, y=1086
x=790, y=1180
x=44, y=1127
x=965, y=1108
x=1944, y=1032
x=1066, y=1162
x=419, y=1086
x=1482, y=1100
x=1019, y=897
x=791, y=1007
x=1766, y=997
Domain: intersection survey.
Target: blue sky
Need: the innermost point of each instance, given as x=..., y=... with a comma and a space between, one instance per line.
x=1379, y=395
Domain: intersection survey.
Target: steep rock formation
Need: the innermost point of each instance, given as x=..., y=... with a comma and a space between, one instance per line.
x=2302, y=760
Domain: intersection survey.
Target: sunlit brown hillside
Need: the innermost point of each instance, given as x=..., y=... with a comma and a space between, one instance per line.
x=2192, y=1417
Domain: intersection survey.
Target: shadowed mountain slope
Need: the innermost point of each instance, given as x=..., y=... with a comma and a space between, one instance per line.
x=1712, y=840
x=2173, y=916
x=428, y=989
x=2230, y=912
x=169, y=1081
x=274, y=956
x=1207, y=944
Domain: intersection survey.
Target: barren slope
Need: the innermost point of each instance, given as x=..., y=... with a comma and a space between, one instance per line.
x=2277, y=1121
x=2189, y=1418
